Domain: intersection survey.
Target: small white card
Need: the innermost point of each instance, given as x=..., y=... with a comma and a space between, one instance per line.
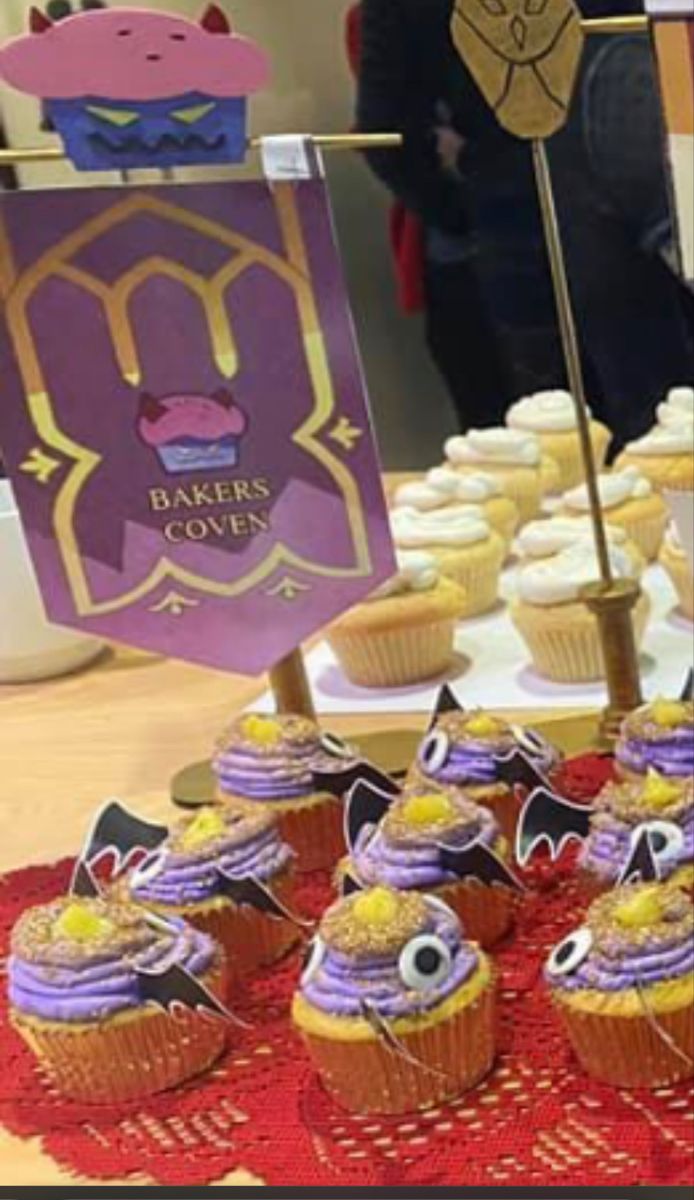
x=287, y=157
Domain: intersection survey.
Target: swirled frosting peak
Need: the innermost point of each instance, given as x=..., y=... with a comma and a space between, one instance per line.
x=76, y=959
x=496, y=447
x=633, y=936
x=544, y=412
x=442, y=486
x=268, y=758
x=678, y=406
x=404, y=850
x=539, y=539
x=614, y=489
x=675, y=437
x=561, y=578
x=380, y=946
x=457, y=525
x=658, y=736
x=417, y=572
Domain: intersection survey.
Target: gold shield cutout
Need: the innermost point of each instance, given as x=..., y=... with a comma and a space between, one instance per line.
x=524, y=56
x=294, y=271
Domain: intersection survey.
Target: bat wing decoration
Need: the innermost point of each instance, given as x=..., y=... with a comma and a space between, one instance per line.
x=246, y=890
x=478, y=862
x=338, y=783
x=175, y=989
x=687, y=692
x=366, y=805
x=551, y=819
x=643, y=863
x=121, y=833
x=516, y=768
x=385, y=1035
x=83, y=882
x=350, y=884
x=446, y=702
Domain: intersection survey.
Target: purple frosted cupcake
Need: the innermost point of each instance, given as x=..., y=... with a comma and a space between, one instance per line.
x=270, y=762
x=190, y=879
x=463, y=751
x=76, y=998
x=664, y=807
x=405, y=851
x=658, y=737
x=395, y=1008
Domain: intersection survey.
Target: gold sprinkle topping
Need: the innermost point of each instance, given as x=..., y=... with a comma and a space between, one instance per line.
x=484, y=725
x=659, y=792
x=637, y=799
x=669, y=713
x=641, y=914
x=206, y=826
x=264, y=731
x=376, y=922
x=78, y=923
x=428, y=808
x=643, y=909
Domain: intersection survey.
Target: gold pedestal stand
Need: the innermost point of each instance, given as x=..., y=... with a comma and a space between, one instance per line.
x=613, y=605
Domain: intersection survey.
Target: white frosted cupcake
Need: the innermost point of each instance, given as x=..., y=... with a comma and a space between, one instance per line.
x=666, y=453
x=629, y=501
x=443, y=486
x=674, y=560
x=511, y=456
x=551, y=416
x=543, y=538
x=556, y=625
x=465, y=547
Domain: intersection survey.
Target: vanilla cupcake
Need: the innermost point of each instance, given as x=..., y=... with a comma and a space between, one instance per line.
x=558, y=628
x=666, y=454
x=551, y=416
x=404, y=632
x=443, y=486
x=628, y=501
x=465, y=547
x=674, y=560
x=511, y=456
x=543, y=538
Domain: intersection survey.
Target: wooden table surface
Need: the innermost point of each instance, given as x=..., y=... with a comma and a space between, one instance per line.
x=121, y=728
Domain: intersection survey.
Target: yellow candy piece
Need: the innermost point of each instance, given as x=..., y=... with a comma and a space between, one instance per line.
x=658, y=792
x=79, y=924
x=264, y=731
x=428, y=809
x=641, y=910
x=377, y=907
x=668, y=713
x=208, y=825
x=482, y=725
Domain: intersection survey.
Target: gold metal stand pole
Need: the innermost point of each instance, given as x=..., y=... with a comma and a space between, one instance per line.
x=290, y=686
x=610, y=600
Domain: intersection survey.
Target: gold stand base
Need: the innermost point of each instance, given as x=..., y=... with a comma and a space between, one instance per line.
x=612, y=605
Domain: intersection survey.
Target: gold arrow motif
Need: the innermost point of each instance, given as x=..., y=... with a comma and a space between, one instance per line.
x=288, y=588
x=346, y=434
x=41, y=465
x=174, y=605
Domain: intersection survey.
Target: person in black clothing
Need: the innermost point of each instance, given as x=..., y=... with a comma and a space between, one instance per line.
x=491, y=320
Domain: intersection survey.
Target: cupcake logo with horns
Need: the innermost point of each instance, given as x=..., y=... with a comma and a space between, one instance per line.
x=191, y=432
x=131, y=88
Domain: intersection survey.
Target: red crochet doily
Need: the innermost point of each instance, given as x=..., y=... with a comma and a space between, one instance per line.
x=537, y=1120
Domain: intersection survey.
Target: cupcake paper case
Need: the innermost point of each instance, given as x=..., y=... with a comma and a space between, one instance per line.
x=269, y=761
x=551, y=416
x=630, y=503
x=77, y=997
x=202, y=870
x=623, y=985
x=673, y=559
x=657, y=736
x=410, y=849
x=465, y=547
x=509, y=455
x=128, y=88
x=396, y=1010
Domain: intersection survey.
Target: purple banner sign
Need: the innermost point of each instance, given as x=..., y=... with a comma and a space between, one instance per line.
x=184, y=416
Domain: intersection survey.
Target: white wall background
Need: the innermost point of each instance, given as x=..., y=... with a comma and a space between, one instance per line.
x=311, y=91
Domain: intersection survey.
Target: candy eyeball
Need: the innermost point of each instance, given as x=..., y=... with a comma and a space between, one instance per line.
x=434, y=751
x=531, y=741
x=424, y=963
x=313, y=960
x=570, y=953
x=666, y=838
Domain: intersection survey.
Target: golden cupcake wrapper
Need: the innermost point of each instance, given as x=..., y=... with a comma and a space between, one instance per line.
x=565, y=449
x=486, y=913
x=250, y=939
x=452, y=1055
x=632, y=1052
x=315, y=832
x=395, y=657
x=502, y=514
x=645, y=532
x=682, y=579
x=569, y=651
x=128, y=1056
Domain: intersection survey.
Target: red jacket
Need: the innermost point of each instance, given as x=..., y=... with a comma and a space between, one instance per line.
x=406, y=233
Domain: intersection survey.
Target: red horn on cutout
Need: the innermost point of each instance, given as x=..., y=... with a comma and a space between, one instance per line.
x=151, y=408
x=224, y=397
x=215, y=20
x=38, y=22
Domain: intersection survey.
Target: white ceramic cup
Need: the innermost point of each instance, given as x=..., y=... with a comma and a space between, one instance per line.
x=30, y=648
